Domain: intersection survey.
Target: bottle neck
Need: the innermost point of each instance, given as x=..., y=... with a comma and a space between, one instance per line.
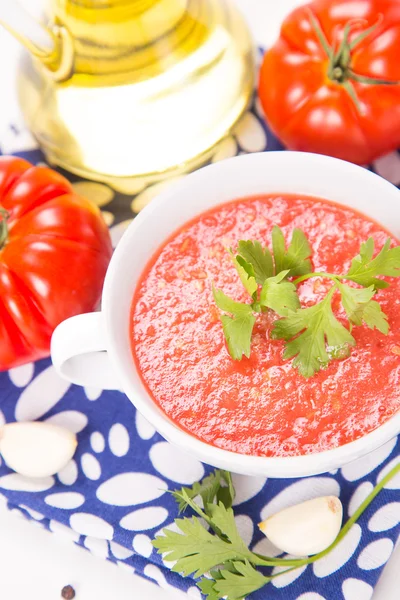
x=118, y=39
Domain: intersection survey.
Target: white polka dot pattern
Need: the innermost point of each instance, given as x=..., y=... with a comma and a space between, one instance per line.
x=375, y=554
x=394, y=483
x=355, y=589
x=69, y=474
x=359, y=496
x=359, y=468
x=91, y=525
x=41, y=394
x=19, y=483
x=118, y=439
x=144, y=518
x=21, y=376
x=70, y=419
x=247, y=487
x=385, y=518
x=97, y=546
x=128, y=489
x=97, y=442
x=300, y=491
x=142, y=545
x=174, y=464
x=66, y=500
x=90, y=466
x=144, y=428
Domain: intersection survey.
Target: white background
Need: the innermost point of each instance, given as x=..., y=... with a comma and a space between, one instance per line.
x=36, y=564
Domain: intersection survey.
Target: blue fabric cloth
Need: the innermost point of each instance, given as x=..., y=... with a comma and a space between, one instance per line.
x=112, y=498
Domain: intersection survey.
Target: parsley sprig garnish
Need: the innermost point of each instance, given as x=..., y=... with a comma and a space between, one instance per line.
x=216, y=553
x=313, y=335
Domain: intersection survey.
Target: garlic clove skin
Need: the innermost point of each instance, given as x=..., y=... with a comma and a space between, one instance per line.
x=307, y=528
x=36, y=449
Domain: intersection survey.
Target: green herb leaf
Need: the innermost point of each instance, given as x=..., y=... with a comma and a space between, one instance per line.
x=246, y=273
x=223, y=518
x=208, y=489
x=318, y=327
x=314, y=336
x=207, y=588
x=295, y=258
x=360, y=307
x=238, y=583
x=227, y=494
x=228, y=305
x=237, y=329
x=195, y=550
x=373, y=316
x=364, y=269
x=259, y=258
x=279, y=295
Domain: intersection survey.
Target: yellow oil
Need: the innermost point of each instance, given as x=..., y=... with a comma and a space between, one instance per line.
x=155, y=86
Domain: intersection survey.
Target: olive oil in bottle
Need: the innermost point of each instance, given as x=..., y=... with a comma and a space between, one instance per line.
x=151, y=87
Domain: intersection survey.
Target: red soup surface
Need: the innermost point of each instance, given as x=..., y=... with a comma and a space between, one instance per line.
x=261, y=405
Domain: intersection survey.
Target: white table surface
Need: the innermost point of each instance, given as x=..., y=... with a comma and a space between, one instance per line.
x=36, y=564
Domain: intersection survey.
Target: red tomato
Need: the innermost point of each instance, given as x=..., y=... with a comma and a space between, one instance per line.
x=348, y=105
x=55, y=248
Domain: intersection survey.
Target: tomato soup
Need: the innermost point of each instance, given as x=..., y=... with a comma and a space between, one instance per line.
x=261, y=405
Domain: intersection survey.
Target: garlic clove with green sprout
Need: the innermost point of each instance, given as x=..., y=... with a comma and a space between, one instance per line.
x=36, y=449
x=307, y=528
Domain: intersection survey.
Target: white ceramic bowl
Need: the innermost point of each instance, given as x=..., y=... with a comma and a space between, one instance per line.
x=79, y=343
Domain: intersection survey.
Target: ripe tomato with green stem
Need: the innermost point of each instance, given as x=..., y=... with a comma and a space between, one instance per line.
x=54, y=253
x=331, y=82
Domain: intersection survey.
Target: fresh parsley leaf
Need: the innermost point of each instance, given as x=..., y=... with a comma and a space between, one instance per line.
x=259, y=258
x=364, y=269
x=373, y=316
x=207, y=489
x=295, y=258
x=227, y=494
x=279, y=248
x=318, y=327
x=279, y=295
x=238, y=583
x=207, y=588
x=216, y=486
x=313, y=336
x=195, y=550
x=246, y=273
x=228, y=305
x=224, y=519
x=238, y=331
x=360, y=307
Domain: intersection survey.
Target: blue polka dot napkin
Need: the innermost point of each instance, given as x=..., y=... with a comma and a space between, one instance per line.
x=111, y=498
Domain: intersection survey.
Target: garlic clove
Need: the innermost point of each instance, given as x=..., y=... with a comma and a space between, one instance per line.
x=307, y=528
x=36, y=449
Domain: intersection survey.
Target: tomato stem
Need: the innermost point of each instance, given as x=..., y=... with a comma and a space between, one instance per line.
x=339, y=69
x=364, y=34
x=3, y=227
x=320, y=34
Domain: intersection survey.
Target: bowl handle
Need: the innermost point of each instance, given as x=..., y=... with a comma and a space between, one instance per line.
x=78, y=352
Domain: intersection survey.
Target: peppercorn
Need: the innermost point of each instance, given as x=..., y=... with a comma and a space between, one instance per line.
x=68, y=592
